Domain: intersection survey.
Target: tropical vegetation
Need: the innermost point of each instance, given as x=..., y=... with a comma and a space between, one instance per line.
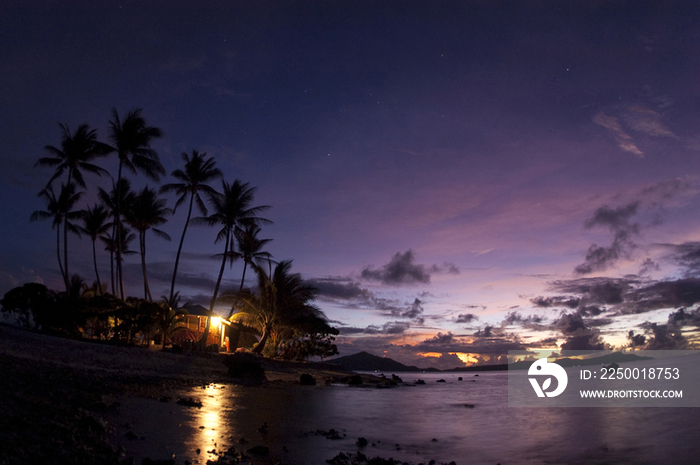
x=275, y=316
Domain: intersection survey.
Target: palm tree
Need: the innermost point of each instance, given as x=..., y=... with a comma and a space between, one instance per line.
x=231, y=209
x=283, y=300
x=94, y=225
x=250, y=248
x=54, y=211
x=146, y=212
x=120, y=196
x=60, y=209
x=193, y=181
x=110, y=242
x=131, y=139
x=76, y=154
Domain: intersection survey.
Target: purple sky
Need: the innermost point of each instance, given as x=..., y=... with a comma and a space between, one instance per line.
x=456, y=177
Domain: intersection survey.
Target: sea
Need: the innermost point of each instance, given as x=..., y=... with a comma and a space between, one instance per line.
x=464, y=421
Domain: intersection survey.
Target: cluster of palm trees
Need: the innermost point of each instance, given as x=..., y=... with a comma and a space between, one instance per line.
x=123, y=215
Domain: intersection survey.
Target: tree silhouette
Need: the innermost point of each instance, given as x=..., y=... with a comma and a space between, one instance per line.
x=250, y=248
x=283, y=300
x=110, y=242
x=76, y=154
x=231, y=208
x=120, y=197
x=94, y=225
x=60, y=210
x=193, y=179
x=131, y=139
x=146, y=212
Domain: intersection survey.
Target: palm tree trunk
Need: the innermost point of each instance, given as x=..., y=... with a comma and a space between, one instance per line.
x=65, y=254
x=58, y=253
x=179, y=250
x=118, y=219
x=245, y=264
x=142, y=246
x=94, y=262
x=203, y=341
x=261, y=343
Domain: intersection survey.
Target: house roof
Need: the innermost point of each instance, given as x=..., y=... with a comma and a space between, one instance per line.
x=196, y=309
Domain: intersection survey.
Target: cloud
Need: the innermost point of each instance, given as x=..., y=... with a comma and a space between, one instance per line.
x=514, y=318
x=579, y=336
x=636, y=118
x=648, y=266
x=466, y=318
x=556, y=301
x=687, y=255
x=339, y=288
x=403, y=270
x=662, y=294
x=389, y=328
x=666, y=336
x=623, y=140
x=646, y=121
x=439, y=338
x=618, y=221
x=414, y=312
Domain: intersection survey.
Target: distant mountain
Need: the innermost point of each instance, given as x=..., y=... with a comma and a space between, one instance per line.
x=364, y=361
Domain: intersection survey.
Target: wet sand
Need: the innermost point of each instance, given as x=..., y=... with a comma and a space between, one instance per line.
x=65, y=401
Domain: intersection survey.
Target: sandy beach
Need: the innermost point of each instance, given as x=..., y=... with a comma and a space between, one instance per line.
x=62, y=399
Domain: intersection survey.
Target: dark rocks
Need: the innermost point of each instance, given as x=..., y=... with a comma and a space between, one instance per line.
x=307, y=380
x=419, y=381
x=245, y=368
x=330, y=434
x=361, y=442
x=189, y=402
x=459, y=379
x=355, y=380
x=441, y=381
x=469, y=405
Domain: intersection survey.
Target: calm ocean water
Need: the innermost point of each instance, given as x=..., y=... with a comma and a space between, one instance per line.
x=414, y=424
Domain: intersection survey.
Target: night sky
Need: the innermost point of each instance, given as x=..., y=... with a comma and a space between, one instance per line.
x=455, y=177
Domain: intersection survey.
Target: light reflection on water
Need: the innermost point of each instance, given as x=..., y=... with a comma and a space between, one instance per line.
x=489, y=433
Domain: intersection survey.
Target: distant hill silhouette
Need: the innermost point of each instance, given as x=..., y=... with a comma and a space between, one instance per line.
x=364, y=361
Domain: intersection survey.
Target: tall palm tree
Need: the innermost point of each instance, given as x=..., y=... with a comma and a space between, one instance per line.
x=231, y=209
x=94, y=225
x=250, y=248
x=193, y=181
x=110, y=242
x=60, y=209
x=76, y=154
x=147, y=211
x=120, y=197
x=53, y=211
x=131, y=139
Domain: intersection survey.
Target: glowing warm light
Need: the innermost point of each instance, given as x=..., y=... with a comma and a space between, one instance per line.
x=215, y=321
x=466, y=358
x=430, y=354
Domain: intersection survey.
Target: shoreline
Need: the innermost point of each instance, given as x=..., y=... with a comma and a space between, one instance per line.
x=59, y=392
